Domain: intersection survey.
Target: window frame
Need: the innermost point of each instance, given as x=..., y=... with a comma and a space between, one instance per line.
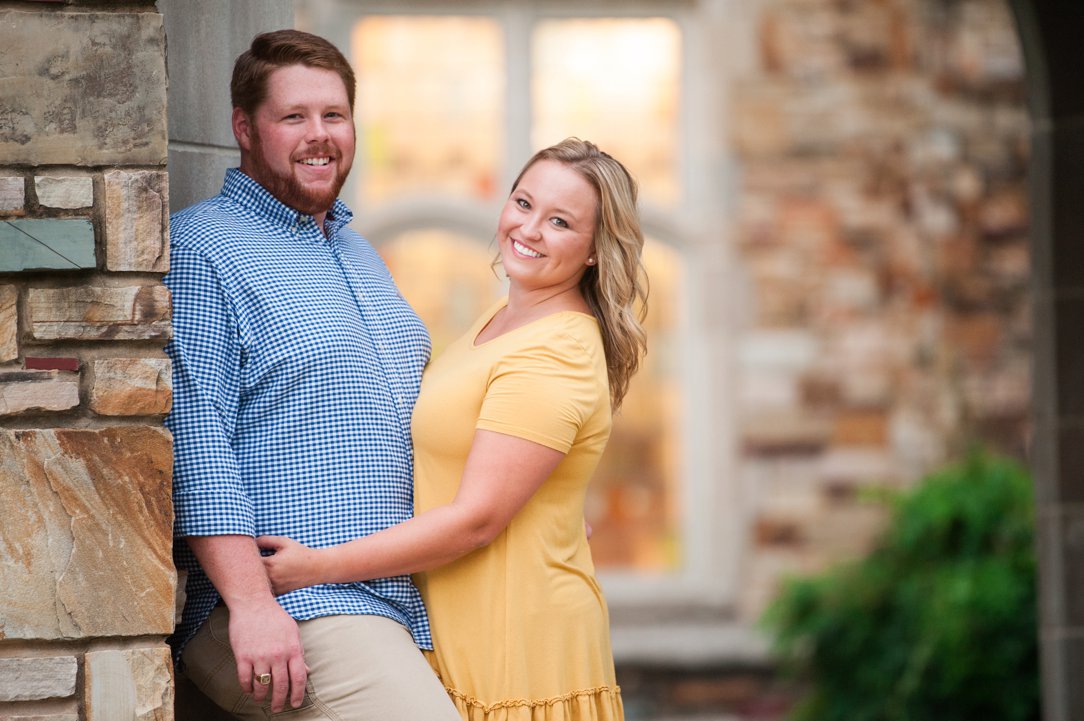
x=702, y=596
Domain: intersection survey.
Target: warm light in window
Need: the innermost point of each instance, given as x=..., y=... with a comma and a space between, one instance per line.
x=615, y=82
x=446, y=277
x=429, y=107
x=635, y=498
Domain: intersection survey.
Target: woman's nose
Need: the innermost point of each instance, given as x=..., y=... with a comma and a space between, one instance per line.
x=532, y=226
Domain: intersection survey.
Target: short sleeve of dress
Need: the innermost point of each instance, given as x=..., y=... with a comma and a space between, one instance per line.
x=545, y=390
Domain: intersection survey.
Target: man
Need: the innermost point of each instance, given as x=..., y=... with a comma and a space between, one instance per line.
x=296, y=365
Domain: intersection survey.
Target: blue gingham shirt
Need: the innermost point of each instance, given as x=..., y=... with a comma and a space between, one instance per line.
x=296, y=363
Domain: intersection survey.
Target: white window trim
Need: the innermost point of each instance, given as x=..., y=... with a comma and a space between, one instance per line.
x=691, y=614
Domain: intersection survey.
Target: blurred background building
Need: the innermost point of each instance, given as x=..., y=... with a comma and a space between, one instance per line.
x=836, y=203
x=846, y=250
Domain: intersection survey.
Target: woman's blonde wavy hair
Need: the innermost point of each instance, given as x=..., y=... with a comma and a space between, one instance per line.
x=616, y=286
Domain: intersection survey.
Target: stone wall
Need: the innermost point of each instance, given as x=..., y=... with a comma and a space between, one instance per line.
x=882, y=231
x=86, y=579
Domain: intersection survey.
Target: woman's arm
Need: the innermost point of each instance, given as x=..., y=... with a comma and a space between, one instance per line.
x=501, y=475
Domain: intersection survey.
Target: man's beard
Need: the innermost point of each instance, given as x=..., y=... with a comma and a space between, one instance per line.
x=288, y=189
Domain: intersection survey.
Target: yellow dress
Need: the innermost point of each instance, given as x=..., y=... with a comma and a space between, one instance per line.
x=520, y=627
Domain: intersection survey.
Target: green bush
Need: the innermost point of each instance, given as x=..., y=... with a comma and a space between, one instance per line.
x=938, y=621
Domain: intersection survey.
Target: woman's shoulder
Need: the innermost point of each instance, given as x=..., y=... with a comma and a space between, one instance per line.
x=572, y=328
x=565, y=342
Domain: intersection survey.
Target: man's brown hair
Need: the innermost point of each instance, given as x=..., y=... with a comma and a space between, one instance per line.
x=278, y=49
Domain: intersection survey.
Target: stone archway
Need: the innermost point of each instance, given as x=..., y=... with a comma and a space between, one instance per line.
x=1049, y=32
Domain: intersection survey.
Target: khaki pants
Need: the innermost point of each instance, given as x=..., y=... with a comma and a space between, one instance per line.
x=363, y=668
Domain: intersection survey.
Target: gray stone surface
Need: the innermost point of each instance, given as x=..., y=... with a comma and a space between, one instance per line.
x=95, y=94
x=204, y=39
x=12, y=194
x=1062, y=663
x=35, y=679
x=64, y=192
x=46, y=243
x=196, y=173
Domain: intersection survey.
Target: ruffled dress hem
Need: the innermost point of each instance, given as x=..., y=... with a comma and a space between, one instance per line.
x=602, y=703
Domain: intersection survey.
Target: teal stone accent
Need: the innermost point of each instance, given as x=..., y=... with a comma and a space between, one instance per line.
x=46, y=244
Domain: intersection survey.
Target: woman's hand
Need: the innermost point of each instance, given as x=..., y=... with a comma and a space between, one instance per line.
x=292, y=566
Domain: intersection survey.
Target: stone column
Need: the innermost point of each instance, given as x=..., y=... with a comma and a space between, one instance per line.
x=87, y=583
x=1049, y=31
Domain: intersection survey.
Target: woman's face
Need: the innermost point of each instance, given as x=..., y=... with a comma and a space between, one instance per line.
x=546, y=229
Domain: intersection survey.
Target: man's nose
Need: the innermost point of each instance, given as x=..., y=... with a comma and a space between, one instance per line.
x=317, y=130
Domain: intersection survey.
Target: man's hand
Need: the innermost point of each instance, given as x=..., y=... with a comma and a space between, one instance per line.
x=265, y=640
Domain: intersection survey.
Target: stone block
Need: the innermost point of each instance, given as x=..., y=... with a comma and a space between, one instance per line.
x=12, y=195
x=46, y=244
x=861, y=427
x=195, y=173
x=856, y=466
x=37, y=391
x=762, y=389
x=779, y=350
x=50, y=363
x=132, y=387
x=95, y=94
x=64, y=192
x=759, y=121
x=136, y=221
x=1061, y=552
x=90, y=552
x=784, y=433
x=9, y=323
x=978, y=337
x=1062, y=664
x=775, y=531
x=36, y=679
x=130, y=684
x=848, y=529
x=93, y=313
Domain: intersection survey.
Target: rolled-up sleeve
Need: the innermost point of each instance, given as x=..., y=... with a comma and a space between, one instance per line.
x=208, y=495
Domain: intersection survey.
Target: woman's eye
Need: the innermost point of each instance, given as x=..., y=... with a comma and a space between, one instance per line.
x=522, y=203
x=560, y=222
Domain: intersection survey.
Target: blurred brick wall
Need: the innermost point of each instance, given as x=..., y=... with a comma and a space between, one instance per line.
x=883, y=235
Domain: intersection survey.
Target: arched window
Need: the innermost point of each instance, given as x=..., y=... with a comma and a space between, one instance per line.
x=451, y=103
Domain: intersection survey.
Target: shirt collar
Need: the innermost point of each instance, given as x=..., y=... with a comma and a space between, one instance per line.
x=247, y=192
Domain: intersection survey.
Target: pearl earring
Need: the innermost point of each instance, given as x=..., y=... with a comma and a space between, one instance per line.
x=590, y=261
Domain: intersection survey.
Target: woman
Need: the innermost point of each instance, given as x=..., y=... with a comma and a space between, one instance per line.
x=508, y=429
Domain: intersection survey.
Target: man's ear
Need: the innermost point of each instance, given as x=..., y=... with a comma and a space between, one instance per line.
x=242, y=129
